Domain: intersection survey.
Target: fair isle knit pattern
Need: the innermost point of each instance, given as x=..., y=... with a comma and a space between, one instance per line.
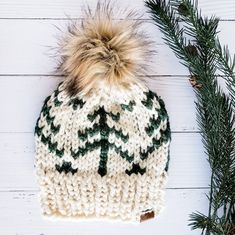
x=102, y=138
x=103, y=155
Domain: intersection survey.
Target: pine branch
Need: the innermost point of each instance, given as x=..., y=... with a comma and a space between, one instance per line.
x=193, y=19
x=226, y=64
x=168, y=23
x=214, y=110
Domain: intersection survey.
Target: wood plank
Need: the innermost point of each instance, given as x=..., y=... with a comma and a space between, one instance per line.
x=188, y=166
x=32, y=52
x=59, y=9
x=20, y=214
x=26, y=47
x=21, y=99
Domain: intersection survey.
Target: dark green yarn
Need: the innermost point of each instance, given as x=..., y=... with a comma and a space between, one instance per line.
x=52, y=146
x=148, y=102
x=123, y=154
x=55, y=129
x=82, y=151
x=104, y=144
x=58, y=89
x=166, y=136
x=59, y=153
x=136, y=169
x=57, y=102
x=49, y=119
x=162, y=113
x=104, y=149
x=92, y=117
x=83, y=135
x=168, y=161
x=66, y=167
x=156, y=143
x=45, y=112
x=154, y=124
x=100, y=112
x=100, y=126
x=47, y=141
x=119, y=134
x=76, y=102
x=115, y=117
x=44, y=139
x=129, y=106
x=38, y=130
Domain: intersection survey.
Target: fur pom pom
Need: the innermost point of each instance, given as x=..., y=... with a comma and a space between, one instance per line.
x=103, y=51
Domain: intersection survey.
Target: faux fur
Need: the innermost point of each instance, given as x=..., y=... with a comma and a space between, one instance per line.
x=100, y=50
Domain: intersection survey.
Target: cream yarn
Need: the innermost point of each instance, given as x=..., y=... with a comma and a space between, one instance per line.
x=102, y=137
x=76, y=180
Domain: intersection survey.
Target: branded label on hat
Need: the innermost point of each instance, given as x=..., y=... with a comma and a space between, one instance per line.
x=148, y=214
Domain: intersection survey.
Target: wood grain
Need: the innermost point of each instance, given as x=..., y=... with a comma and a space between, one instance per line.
x=27, y=75
x=21, y=99
x=59, y=8
x=21, y=215
x=188, y=166
x=27, y=47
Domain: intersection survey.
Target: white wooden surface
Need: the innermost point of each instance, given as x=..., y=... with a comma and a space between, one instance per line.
x=27, y=32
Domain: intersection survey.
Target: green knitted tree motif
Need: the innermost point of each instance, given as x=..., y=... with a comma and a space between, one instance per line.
x=45, y=112
x=104, y=130
x=54, y=129
x=66, y=167
x=154, y=123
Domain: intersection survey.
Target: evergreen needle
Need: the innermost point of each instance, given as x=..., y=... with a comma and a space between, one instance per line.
x=195, y=42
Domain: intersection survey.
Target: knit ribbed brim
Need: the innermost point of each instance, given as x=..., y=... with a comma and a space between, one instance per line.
x=92, y=196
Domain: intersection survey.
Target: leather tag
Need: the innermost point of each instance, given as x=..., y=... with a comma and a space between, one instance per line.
x=146, y=216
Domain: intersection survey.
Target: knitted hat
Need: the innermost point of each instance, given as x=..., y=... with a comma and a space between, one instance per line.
x=102, y=138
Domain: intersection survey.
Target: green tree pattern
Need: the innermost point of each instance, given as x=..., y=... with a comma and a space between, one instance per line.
x=154, y=123
x=104, y=144
x=101, y=127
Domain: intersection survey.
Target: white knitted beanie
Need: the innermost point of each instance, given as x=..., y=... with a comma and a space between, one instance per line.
x=102, y=138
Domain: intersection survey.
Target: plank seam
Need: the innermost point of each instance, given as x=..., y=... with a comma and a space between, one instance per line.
x=36, y=191
x=80, y=18
x=30, y=132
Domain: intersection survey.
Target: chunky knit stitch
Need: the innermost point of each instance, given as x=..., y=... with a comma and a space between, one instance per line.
x=99, y=157
x=102, y=137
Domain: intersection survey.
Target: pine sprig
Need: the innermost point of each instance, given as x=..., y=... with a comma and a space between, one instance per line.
x=196, y=44
x=193, y=22
x=226, y=64
x=167, y=21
